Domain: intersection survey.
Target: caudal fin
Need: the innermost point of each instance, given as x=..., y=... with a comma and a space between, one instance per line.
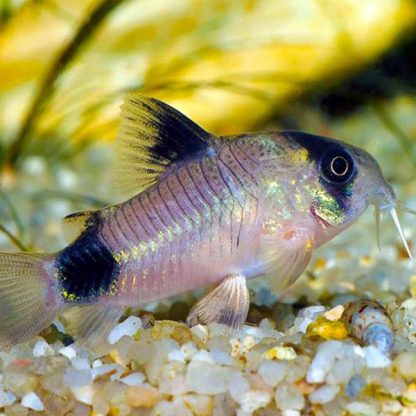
x=27, y=298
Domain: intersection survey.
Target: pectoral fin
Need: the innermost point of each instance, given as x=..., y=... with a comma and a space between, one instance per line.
x=91, y=324
x=285, y=255
x=226, y=305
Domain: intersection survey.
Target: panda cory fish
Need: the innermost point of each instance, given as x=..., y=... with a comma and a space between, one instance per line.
x=206, y=210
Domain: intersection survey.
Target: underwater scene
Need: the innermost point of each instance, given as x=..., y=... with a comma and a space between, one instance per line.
x=207, y=208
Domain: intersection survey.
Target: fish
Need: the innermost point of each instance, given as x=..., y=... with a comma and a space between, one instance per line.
x=369, y=322
x=201, y=211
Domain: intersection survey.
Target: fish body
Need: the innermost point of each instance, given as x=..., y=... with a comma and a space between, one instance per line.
x=206, y=210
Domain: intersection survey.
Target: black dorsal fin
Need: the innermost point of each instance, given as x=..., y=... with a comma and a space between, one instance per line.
x=152, y=137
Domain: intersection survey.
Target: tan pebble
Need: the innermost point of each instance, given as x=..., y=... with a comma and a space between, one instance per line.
x=248, y=343
x=182, y=334
x=16, y=410
x=120, y=409
x=235, y=347
x=343, y=254
x=367, y=261
x=257, y=383
x=115, y=357
x=320, y=263
x=162, y=329
x=412, y=285
x=334, y=314
x=405, y=363
x=200, y=405
x=142, y=396
x=19, y=380
x=305, y=387
x=57, y=406
x=200, y=332
x=410, y=393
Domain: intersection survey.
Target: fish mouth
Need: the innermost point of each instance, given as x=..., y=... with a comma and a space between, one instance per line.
x=322, y=222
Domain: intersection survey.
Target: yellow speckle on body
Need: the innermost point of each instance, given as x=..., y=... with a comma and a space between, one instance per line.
x=299, y=156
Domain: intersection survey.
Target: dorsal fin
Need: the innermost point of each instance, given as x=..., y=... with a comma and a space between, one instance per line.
x=152, y=137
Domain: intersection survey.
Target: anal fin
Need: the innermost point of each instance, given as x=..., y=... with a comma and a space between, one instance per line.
x=90, y=325
x=226, y=305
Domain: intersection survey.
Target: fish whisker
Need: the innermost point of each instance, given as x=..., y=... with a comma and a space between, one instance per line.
x=379, y=214
x=396, y=221
x=403, y=207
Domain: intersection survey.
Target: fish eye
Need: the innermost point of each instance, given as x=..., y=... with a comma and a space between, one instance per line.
x=337, y=166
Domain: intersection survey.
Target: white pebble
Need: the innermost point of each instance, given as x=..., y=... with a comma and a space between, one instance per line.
x=128, y=327
x=68, y=352
x=289, y=397
x=205, y=378
x=134, y=379
x=189, y=349
x=66, y=179
x=255, y=399
x=106, y=369
x=375, y=358
x=176, y=355
x=201, y=332
x=239, y=386
x=291, y=413
x=256, y=332
x=42, y=348
x=323, y=361
x=324, y=394
x=6, y=398
x=97, y=363
x=80, y=363
x=31, y=401
x=301, y=324
x=84, y=394
x=221, y=357
x=77, y=378
x=272, y=372
x=34, y=165
x=203, y=355
x=311, y=312
x=360, y=408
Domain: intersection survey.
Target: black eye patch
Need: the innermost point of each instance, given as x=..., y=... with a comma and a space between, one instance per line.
x=337, y=166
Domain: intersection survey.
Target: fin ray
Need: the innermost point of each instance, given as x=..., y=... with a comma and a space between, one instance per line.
x=226, y=305
x=90, y=325
x=283, y=260
x=152, y=137
x=26, y=304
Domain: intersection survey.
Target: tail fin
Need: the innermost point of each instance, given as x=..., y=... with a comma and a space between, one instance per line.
x=28, y=302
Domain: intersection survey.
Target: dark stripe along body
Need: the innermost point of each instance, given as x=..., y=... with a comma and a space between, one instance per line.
x=86, y=268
